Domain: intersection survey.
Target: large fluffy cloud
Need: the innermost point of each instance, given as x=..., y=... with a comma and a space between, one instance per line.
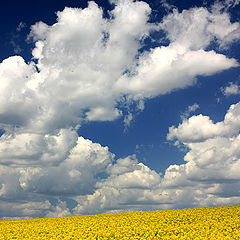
x=196, y=28
x=213, y=157
x=36, y=149
x=85, y=67
x=199, y=128
x=79, y=166
x=165, y=69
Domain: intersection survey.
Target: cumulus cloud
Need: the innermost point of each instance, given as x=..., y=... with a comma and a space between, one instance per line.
x=196, y=28
x=231, y=89
x=21, y=209
x=36, y=149
x=76, y=173
x=170, y=68
x=216, y=150
x=60, y=210
x=199, y=128
x=18, y=103
x=129, y=185
x=88, y=74
x=212, y=160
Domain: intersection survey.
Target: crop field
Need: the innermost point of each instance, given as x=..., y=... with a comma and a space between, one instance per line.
x=198, y=223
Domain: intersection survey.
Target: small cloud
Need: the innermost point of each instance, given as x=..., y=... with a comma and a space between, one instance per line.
x=224, y=5
x=189, y=110
x=127, y=121
x=137, y=149
x=167, y=5
x=231, y=3
x=232, y=89
x=132, y=113
x=140, y=105
x=143, y=147
x=193, y=107
x=16, y=48
x=20, y=26
x=15, y=38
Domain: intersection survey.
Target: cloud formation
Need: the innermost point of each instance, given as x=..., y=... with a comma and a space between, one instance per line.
x=231, y=89
x=89, y=74
x=199, y=128
x=189, y=110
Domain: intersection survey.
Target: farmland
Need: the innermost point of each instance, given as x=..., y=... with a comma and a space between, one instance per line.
x=221, y=222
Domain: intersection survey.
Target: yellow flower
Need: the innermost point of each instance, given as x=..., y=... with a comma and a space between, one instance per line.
x=199, y=223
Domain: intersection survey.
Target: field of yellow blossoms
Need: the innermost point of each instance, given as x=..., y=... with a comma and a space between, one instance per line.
x=198, y=223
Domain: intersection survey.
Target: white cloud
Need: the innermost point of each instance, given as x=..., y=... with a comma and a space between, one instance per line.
x=130, y=184
x=20, y=26
x=190, y=109
x=60, y=210
x=103, y=114
x=212, y=159
x=225, y=5
x=36, y=149
x=127, y=120
x=167, y=5
x=18, y=102
x=137, y=175
x=199, y=128
x=196, y=28
x=165, y=69
x=193, y=108
x=232, y=89
x=75, y=173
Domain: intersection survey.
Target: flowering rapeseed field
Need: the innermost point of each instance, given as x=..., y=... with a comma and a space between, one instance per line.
x=198, y=223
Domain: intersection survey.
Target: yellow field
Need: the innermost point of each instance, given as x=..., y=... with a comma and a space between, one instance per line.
x=198, y=223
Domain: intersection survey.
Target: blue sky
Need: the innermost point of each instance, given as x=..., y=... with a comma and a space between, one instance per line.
x=118, y=106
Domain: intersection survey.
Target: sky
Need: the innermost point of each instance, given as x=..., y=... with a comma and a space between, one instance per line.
x=119, y=105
